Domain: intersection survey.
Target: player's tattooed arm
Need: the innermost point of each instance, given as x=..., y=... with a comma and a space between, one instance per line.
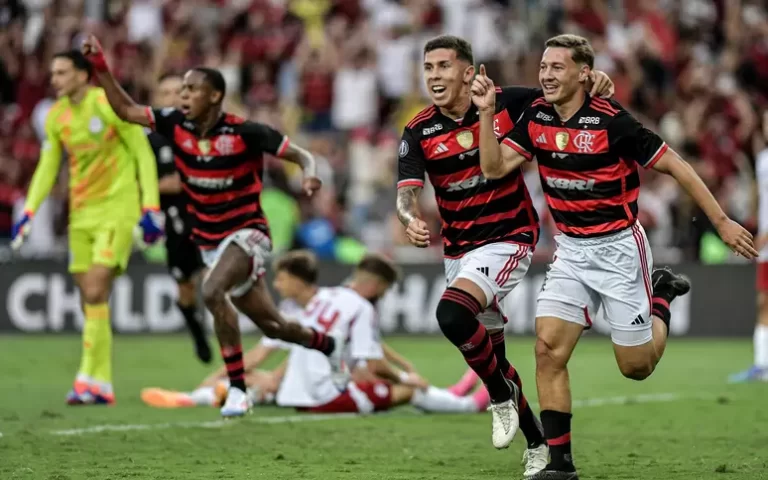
x=122, y=104
x=408, y=203
x=408, y=213
x=304, y=158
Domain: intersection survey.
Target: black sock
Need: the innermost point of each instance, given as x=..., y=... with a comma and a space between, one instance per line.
x=233, y=359
x=557, y=429
x=192, y=319
x=456, y=314
x=322, y=342
x=528, y=423
x=660, y=306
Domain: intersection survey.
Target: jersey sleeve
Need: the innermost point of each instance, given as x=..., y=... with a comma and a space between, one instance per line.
x=518, y=138
x=516, y=99
x=365, y=337
x=264, y=138
x=138, y=147
x=411, y=164
x=163, y=154
x=630, y=139
x=164, y=120
x=47, y=168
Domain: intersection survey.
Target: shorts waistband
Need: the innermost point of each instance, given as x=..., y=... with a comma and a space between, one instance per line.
x=594, y=241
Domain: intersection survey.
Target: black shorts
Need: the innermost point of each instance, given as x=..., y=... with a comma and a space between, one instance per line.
x=184, y=259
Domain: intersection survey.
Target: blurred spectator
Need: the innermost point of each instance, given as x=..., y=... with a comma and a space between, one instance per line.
x=343, y=76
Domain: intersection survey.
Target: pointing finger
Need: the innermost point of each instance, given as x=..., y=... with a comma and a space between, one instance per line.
x=482, y=69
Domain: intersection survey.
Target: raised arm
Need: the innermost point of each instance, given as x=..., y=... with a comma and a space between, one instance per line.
x=121, y=102
x=496, y=161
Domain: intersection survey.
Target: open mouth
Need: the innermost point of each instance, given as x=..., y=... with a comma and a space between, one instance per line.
x=549, y=88
x=438, y=89
x=184, y=109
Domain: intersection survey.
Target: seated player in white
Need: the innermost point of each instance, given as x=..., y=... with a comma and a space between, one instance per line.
x=303, y=380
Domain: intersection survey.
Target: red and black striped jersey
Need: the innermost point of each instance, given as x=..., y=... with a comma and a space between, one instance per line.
x=474, y=211
x=221, y=173
x=588, y=164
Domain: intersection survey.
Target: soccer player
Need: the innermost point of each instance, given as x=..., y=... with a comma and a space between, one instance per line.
x=220, y=162
x=184, y=262
x=489, y=228
x=588, y=150
x=295, y=280
x=759, y=370
x=106, y=156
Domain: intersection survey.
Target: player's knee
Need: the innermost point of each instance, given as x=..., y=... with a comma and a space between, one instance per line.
x=93, y=292
x=187, y=294
x=272, y=330
x=213, y=294
x=547, y=356
x=636, y=369
x=450, y=316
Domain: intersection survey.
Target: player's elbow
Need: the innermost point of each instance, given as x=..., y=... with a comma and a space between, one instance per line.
x=492, y=172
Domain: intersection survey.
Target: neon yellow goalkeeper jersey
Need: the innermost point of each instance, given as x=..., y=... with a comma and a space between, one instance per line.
x=112, y=170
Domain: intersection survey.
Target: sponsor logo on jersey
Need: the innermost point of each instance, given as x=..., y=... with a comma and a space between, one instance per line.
x=211, y=183
x=544, y=116
x=433, y=129
x=466, y=184
x=204, y=146
x=590, y=120
x=568, y=184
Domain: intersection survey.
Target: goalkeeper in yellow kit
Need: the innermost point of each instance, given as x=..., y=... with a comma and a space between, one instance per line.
x=112, y=187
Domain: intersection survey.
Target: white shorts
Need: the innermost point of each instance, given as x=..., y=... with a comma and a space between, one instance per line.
x=496, y=268
x=255, y=244
x=612, y=271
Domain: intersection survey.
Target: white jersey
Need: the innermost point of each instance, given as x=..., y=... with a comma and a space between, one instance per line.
x=339, y=310
x=761, y=172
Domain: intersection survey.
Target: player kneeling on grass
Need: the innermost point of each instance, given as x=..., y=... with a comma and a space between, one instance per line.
x=303, y=381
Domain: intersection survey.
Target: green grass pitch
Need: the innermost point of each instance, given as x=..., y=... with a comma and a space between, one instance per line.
x=684, y=422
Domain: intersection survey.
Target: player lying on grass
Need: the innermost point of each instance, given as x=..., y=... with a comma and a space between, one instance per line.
x=303, y=379
x=112, y=180
x=220, y=158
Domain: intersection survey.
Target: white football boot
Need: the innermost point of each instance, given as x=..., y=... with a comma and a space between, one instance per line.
x=535, y=460
x=506, y=419
x=237, y=403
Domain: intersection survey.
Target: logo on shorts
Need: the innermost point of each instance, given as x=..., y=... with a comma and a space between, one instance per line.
x=380, y=390
x=483, y=270
x=638, y=321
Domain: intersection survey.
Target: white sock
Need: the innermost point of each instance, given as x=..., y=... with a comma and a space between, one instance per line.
x=435, y=399
x=203, y=396
x=761, y=346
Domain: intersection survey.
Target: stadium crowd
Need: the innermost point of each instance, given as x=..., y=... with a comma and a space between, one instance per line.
x=343, y=76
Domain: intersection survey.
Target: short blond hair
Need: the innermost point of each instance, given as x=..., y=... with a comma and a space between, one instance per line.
x=581, y=49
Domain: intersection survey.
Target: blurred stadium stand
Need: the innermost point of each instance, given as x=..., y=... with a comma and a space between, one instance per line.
x=343, y=76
